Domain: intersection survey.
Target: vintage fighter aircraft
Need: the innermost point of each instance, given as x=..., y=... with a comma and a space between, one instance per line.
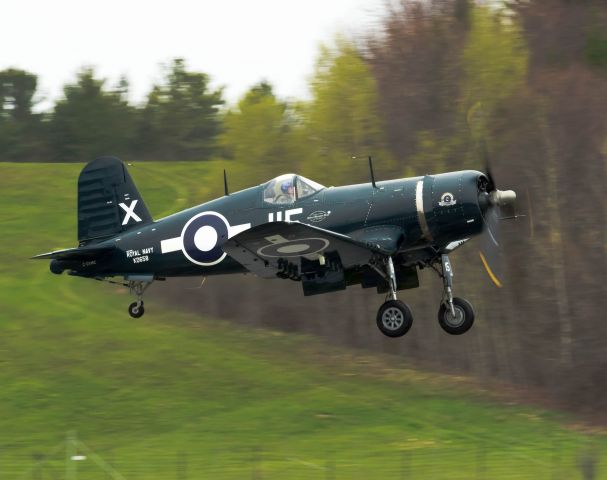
x=377, y=234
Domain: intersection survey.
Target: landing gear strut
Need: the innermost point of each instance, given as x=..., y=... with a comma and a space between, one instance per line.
x=137, y=288
x=394, y=317
x=455, y=315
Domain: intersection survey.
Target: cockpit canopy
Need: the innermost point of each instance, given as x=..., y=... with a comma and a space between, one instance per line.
x=288, y=188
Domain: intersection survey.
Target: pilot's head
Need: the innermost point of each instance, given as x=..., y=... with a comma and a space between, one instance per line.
x=287, y=187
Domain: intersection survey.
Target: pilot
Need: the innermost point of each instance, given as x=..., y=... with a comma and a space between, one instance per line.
x=286, y=194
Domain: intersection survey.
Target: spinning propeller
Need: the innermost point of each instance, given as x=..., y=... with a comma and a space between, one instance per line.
x=496, y=205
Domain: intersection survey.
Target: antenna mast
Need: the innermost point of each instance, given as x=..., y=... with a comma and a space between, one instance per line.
x=371, y=170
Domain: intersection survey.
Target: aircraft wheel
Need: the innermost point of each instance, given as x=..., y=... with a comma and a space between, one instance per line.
x=136, y=309
x=394, y=318
x=463, y=320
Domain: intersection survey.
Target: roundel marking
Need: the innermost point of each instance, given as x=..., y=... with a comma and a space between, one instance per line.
x=201, y=237
x=294, y=248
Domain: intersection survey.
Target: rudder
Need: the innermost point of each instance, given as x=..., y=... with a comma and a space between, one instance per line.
x=108, y=201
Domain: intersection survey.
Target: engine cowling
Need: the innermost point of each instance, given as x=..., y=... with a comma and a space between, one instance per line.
x=451, y=206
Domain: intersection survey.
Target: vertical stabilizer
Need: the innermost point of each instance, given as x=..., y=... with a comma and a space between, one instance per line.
x=108, y=201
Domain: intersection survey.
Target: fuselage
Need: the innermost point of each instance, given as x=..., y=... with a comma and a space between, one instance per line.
x=432, y=210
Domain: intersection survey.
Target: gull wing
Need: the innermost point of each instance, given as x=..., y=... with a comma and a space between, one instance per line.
x=262, y=249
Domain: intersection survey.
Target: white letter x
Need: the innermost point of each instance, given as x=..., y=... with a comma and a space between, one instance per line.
x=130, y=212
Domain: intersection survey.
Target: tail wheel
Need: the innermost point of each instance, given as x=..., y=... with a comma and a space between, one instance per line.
x=394, y=318
x=463, y=319
x=136, y=309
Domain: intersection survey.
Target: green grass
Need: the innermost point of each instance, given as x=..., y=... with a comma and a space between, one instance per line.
x=174, y=395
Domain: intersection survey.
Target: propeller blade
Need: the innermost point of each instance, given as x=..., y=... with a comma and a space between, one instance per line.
x=490, y=246
x=500, y=204
x=486, y=159
x=490, y=272
x=530, y=214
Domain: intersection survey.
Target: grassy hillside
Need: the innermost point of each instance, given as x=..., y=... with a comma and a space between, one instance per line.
x=174, y=395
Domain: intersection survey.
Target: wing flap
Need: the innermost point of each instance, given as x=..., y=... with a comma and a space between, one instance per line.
x=261, y=248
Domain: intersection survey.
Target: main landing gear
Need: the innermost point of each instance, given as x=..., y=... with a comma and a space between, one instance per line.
x=394, y=318
x=455, y=315
x=137, y=288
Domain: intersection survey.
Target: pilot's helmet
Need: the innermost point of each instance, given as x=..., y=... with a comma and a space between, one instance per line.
x=286, y=185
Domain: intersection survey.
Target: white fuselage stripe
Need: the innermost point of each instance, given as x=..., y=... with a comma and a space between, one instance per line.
x=171, y=245
x=236, y=229
x=421, y=215
x=175, y=244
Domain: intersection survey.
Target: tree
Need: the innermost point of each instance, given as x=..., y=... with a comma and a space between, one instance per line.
x=257, y=133
x=495, y=60
x=17, y=88
x=90, y=121
x=181, y=120
x=415, y=62
x=19, y=126
x=342, y=120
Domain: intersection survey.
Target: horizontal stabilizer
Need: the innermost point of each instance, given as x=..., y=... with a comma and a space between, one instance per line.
x=84, y=253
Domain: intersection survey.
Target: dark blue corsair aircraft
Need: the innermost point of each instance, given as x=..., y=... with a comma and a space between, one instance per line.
x=374, y=235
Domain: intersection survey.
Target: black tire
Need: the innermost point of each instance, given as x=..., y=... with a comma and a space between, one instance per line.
x=464, y=317
x=394, y=318
x=136, y=310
